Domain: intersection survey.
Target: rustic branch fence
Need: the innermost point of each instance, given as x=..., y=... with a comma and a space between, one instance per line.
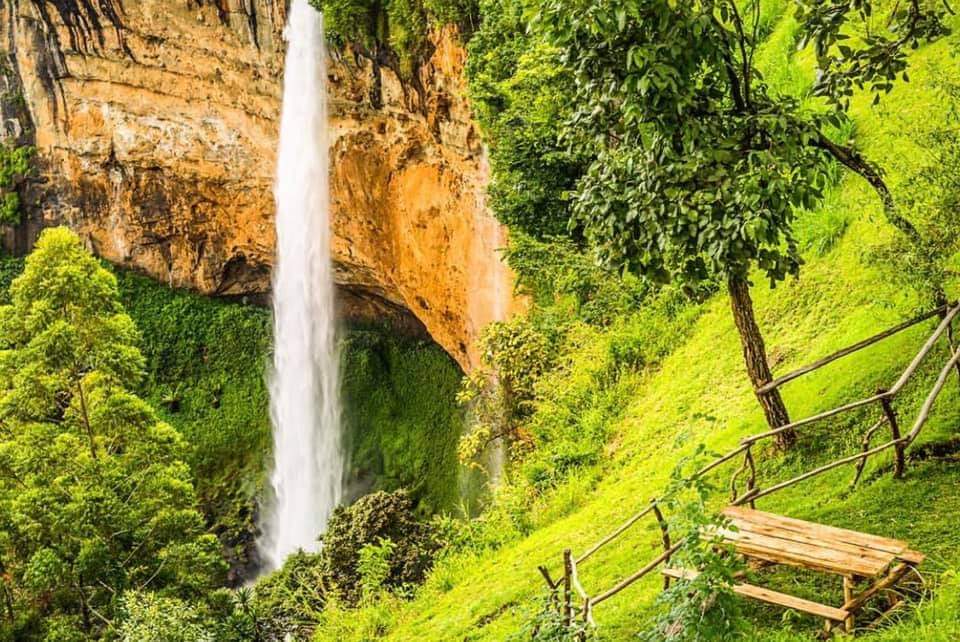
x=569, y=595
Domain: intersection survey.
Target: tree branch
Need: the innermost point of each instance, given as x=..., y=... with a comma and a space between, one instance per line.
x=86, y=421
x=854, y=161
x=745, y=59
x=736, y=90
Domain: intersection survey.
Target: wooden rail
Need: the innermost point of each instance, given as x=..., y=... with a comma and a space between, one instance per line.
x=747, y=471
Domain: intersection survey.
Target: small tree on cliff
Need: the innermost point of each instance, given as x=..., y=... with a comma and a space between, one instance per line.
x=95, y=499
x=699, y=165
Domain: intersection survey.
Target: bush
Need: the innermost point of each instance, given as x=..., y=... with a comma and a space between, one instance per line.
x=291, y=600
x=521, y=92
x=403, y=25
x=373, y=518
x=15, y=165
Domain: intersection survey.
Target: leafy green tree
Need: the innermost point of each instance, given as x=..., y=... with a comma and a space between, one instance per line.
x=700, y=165
x=520, y=91
x=95, y=499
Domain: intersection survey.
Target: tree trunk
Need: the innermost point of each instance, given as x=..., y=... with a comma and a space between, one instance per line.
x=755, y=357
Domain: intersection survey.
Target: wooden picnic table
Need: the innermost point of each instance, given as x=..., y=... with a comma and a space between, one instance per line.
x=868, y=564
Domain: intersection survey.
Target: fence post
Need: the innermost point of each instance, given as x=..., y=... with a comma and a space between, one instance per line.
x=567, y=597
x=665, y=538
x=899, y=460
x=951, y=342
x=752, y=479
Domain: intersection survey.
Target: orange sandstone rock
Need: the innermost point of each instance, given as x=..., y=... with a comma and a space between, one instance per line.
x=156, y=135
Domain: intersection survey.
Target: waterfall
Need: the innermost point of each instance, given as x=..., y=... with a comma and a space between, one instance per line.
x=308, y=467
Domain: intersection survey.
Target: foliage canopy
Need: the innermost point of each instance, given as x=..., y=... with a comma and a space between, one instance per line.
x=95, y=499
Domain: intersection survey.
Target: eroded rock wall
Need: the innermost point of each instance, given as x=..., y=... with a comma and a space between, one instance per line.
x=156, y=124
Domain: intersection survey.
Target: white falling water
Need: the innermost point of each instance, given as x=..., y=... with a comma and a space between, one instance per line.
x=308, y=466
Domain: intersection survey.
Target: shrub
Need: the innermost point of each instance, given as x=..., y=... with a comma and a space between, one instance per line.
x=15, y=165
x=291, y=600
x=372, y=519
x=373, y=566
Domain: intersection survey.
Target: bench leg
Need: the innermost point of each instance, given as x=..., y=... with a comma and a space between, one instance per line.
x=847, y=596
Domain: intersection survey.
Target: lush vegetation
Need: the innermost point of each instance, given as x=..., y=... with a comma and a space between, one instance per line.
x=15, y=167
x=394, y=31
x=401, y=416
x=645, y=155
x=612, y=381
x=520, y=92
x=203, y=365
x=96, y=500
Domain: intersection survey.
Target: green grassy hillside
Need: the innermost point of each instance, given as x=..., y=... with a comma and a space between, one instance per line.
x=700, y=394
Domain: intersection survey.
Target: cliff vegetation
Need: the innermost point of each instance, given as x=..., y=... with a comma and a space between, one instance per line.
x=700, y=196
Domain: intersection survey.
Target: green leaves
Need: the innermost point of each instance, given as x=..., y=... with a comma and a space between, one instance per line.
x=15, y=166
x=521, y=93
x=404, y=25
x=852, y=53
x=95, y=498
x=698, y=167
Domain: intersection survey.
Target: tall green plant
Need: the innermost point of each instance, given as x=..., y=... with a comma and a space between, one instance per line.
x=700, y=166
x=95, y=498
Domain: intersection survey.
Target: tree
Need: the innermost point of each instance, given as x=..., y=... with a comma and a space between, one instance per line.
x=95, y=499
x=519, y=92
x=700, y=165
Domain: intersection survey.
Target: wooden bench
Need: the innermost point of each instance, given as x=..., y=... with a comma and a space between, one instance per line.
x=868, y=564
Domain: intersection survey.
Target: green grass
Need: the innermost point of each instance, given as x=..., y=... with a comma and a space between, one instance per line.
x=700, y=394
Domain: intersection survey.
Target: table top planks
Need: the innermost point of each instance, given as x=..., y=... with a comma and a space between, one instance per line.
x=784, y=540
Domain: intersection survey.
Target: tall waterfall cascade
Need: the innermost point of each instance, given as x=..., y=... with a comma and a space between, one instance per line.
x=308, y=469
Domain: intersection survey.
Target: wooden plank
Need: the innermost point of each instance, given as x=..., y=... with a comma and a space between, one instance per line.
x=767, y=530
x=914, y=557
x=794, y=553
x=823, y=532
x=832, y=533
x=771, y=597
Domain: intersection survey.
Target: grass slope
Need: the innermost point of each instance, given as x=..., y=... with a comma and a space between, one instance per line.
x=700, y=394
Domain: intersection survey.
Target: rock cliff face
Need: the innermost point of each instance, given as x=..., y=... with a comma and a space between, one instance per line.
x=156, y=122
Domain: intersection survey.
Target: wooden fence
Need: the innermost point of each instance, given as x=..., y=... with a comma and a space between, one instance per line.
x=569, y=595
